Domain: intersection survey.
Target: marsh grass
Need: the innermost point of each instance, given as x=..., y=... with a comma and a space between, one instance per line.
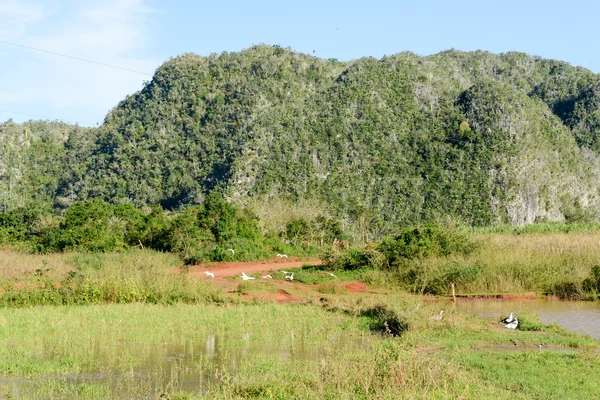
x=277, y=351
x=559, y=264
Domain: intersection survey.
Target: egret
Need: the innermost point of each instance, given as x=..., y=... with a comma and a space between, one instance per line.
x=208, y=273
x=232, y=251
x=514, y=324
x=438, y=317
x=267, y=277
x=329, y=273
x=291, y=277
x=508, y=319
x=285, y=272
x=246, y=277
x=282, y=255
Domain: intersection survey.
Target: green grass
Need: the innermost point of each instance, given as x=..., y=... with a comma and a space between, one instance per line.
x=277, y=351
x=335, y=344
x=550, y=262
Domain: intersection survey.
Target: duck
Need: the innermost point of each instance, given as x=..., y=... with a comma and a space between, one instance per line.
x=508, y=319
x=514, y=324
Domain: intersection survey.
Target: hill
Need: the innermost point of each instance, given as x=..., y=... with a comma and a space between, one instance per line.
x=475, y=136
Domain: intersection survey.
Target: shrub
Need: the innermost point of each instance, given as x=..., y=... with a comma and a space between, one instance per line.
x=383, y=319
x=423, y=242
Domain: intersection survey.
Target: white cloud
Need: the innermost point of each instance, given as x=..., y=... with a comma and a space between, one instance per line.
x=111, y=32
x=16, y=15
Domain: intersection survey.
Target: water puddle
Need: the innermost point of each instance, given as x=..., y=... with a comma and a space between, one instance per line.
x=576, y=316
x=186, y=367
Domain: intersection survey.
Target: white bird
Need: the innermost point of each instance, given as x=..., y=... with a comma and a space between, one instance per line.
x=508, y=319
x=291, y=277
x=438, y=317
x=232, y=251
x=246, y=277
x=514, y=324
x=267, y=277
x=208, y=273
x=284, y=272
x=329, y=273
x=282, y=256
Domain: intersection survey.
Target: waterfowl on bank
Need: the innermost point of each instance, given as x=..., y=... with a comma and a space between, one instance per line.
x=232, y=251
x=514, y=324
x=438, y=317
x=331, y=273
x=282, y=255
x=208, y=273
x=246, y=277
x=508, y=319
x=290, y=277
x=267, y=277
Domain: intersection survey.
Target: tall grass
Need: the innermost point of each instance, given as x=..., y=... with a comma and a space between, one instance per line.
x=546, y=262
x=128, y=277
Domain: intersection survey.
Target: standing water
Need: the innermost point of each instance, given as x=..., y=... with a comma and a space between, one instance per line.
x=575, y=316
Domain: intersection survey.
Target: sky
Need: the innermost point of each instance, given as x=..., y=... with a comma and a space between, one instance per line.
x=140, y=35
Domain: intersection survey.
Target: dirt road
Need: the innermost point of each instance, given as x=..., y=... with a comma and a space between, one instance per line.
x=236, y=268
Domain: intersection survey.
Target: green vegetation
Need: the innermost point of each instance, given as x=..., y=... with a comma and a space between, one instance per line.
x=195, y=233
x=184, y=337
x=553, y=260
x=408, y=174
x=293, y=351
x=480, y=138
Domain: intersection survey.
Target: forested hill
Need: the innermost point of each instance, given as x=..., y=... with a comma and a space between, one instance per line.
x=481, y=137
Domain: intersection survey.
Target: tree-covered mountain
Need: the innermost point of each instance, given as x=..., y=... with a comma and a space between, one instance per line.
x=476, y=136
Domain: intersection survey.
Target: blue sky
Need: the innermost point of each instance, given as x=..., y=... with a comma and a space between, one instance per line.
x=141, y=34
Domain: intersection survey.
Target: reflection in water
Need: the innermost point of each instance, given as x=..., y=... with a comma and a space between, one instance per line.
x=210, y=346
x=186, y=366
x=575, y=316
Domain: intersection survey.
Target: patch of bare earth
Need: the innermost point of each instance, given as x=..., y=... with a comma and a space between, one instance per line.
x=356, y=287
x=221, y=269
x=281, y=296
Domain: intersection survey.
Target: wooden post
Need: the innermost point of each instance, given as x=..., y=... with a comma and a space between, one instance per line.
x=453, y=293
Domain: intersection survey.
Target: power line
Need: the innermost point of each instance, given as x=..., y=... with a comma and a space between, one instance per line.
x=46, y=118
x=75, y=58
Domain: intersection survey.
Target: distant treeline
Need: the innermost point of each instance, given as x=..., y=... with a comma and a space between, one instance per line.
x=204, y=232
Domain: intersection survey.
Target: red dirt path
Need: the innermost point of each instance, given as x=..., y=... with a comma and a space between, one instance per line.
x=236, y=268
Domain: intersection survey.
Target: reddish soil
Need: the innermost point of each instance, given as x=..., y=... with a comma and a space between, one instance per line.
x=281, y=296
x=355, y=287
x=236, y=268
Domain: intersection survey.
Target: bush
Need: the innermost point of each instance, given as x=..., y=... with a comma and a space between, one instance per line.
x=383, y=319
x=424, y=242
x=353, y=259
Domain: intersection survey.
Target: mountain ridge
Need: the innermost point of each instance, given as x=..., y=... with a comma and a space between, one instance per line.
x=484, y=138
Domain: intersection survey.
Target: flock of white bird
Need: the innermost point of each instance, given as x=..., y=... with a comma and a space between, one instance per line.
x=511, y=321
x=288, y=275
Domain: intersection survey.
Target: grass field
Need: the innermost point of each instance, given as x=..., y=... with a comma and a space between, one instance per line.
x=123, y=325
x=284, y=351
x=553, y=263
